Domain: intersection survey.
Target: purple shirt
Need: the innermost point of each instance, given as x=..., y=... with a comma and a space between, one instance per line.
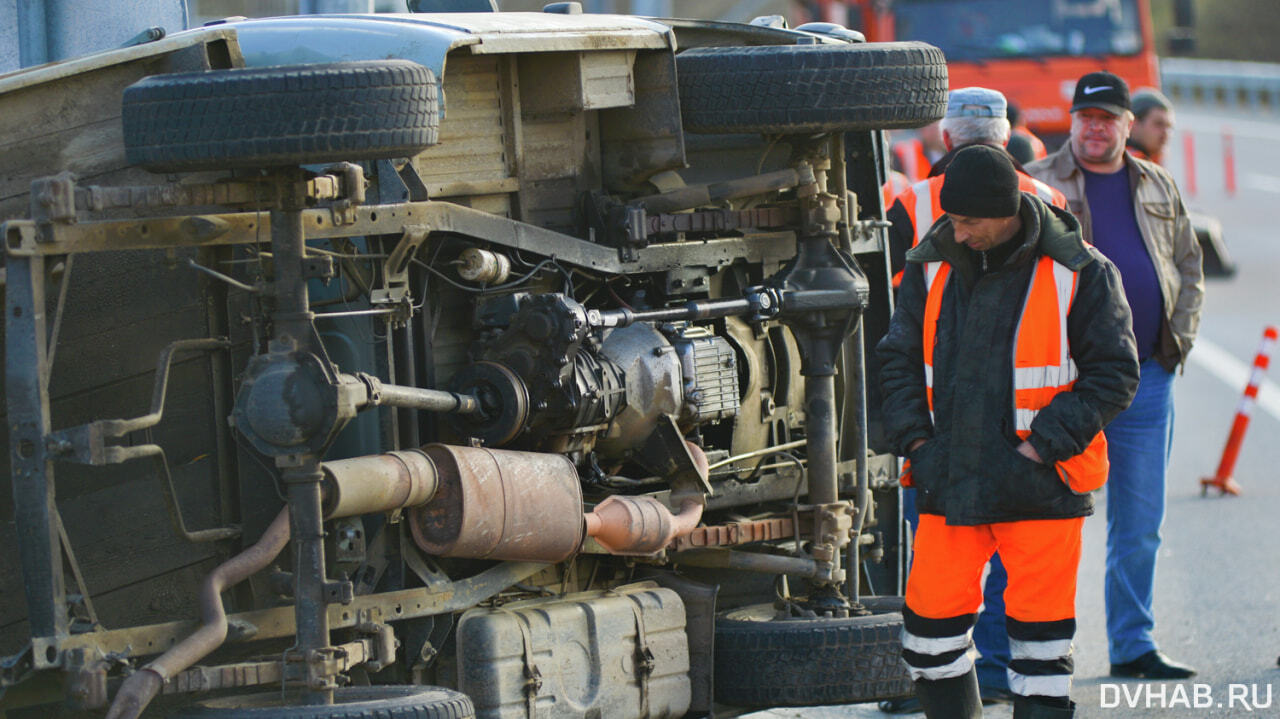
x=1116, y=235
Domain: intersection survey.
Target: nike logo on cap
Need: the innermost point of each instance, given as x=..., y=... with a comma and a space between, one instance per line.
x=1091, y=90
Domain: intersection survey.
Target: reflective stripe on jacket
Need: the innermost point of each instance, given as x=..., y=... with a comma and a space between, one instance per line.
x=968, y=467
x=1042, y=362
x=894, y=186
x=1166, y=231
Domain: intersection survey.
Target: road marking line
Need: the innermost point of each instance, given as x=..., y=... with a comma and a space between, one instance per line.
x=1223, y=365
x=1266, y=183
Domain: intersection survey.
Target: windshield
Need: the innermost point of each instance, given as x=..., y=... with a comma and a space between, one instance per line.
x=993, y=29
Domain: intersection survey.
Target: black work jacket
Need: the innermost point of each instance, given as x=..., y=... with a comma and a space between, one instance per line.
x=969, y=468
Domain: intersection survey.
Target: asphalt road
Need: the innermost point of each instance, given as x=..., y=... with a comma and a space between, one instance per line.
x=1217, y=598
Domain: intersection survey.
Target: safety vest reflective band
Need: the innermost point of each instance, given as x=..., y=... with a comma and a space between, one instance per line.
x=935, y=282
x=1042, y=362
x=924, y=208
x=894, y=186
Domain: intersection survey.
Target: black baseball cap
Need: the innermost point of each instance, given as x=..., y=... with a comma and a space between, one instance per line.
x=1102, y=90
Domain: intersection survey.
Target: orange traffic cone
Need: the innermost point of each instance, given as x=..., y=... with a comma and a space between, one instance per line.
x=1222, y=479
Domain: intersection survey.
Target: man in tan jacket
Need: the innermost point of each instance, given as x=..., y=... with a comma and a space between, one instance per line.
x=1131, y=211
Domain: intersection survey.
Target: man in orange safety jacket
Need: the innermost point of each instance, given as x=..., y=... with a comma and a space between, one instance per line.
x=1023, y=143
x=914, y=157
x=975, y=115
x=1010, y=349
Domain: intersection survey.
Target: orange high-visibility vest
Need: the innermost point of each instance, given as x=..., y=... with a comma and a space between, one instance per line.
x=923, y=207
x=1042, y=363
x=1143, y=155
x=912, y=158
x=894, y=186
x=1038, y=150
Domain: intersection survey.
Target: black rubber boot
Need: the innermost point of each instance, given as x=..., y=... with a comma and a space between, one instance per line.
x=954, y=698
x=1042, y=708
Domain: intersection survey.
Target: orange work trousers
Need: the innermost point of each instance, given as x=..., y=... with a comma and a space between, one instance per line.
x=1042, y=557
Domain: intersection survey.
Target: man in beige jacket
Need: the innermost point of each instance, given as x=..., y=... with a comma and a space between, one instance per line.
x=1131, y=211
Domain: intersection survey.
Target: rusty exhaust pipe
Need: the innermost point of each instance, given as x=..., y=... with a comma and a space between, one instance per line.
x=352, y=487
x=642, y=525
x=500, y=504
x=140, y=688
x=378, y=483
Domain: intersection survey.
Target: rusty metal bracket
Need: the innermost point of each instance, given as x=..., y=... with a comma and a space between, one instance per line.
x=53, y=199
x=351, y=193
x=339, y=592
x=322, y=669
x=87, y=678
x=395, y=291
x=397, y=266
x=88, y=443
x=383, y=644
x=92, y=443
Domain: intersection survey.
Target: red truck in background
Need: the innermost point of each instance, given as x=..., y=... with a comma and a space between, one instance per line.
x=1033, y=52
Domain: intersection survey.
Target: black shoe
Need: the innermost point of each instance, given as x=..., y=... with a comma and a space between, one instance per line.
x=901, y=705
x=1152, y=665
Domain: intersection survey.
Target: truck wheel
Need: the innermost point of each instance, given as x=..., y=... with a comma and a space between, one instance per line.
x=763, y=661
x=796, y=89
x=375, y=702
x=285, y=115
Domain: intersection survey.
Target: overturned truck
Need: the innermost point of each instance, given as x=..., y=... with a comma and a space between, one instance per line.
x=507, y=365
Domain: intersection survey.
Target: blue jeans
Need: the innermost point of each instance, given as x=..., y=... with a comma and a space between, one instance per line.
x=989, y=635
x=1138, y=445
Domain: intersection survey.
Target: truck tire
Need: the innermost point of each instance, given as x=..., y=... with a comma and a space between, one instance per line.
x=761, y=661
x=374, y=702
x=793, y=89
x=280, y=116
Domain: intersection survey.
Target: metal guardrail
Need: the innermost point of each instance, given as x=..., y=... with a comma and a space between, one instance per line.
x=1227, y=83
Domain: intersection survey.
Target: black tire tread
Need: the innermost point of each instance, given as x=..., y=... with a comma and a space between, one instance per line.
x=796, y=89
x=285, y=115
x=809, y=662
x=372, y=702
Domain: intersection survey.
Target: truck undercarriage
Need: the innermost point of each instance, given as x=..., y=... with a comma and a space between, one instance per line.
x=542, y=350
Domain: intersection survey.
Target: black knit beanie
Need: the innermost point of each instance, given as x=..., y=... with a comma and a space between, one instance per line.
x=980, y=182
